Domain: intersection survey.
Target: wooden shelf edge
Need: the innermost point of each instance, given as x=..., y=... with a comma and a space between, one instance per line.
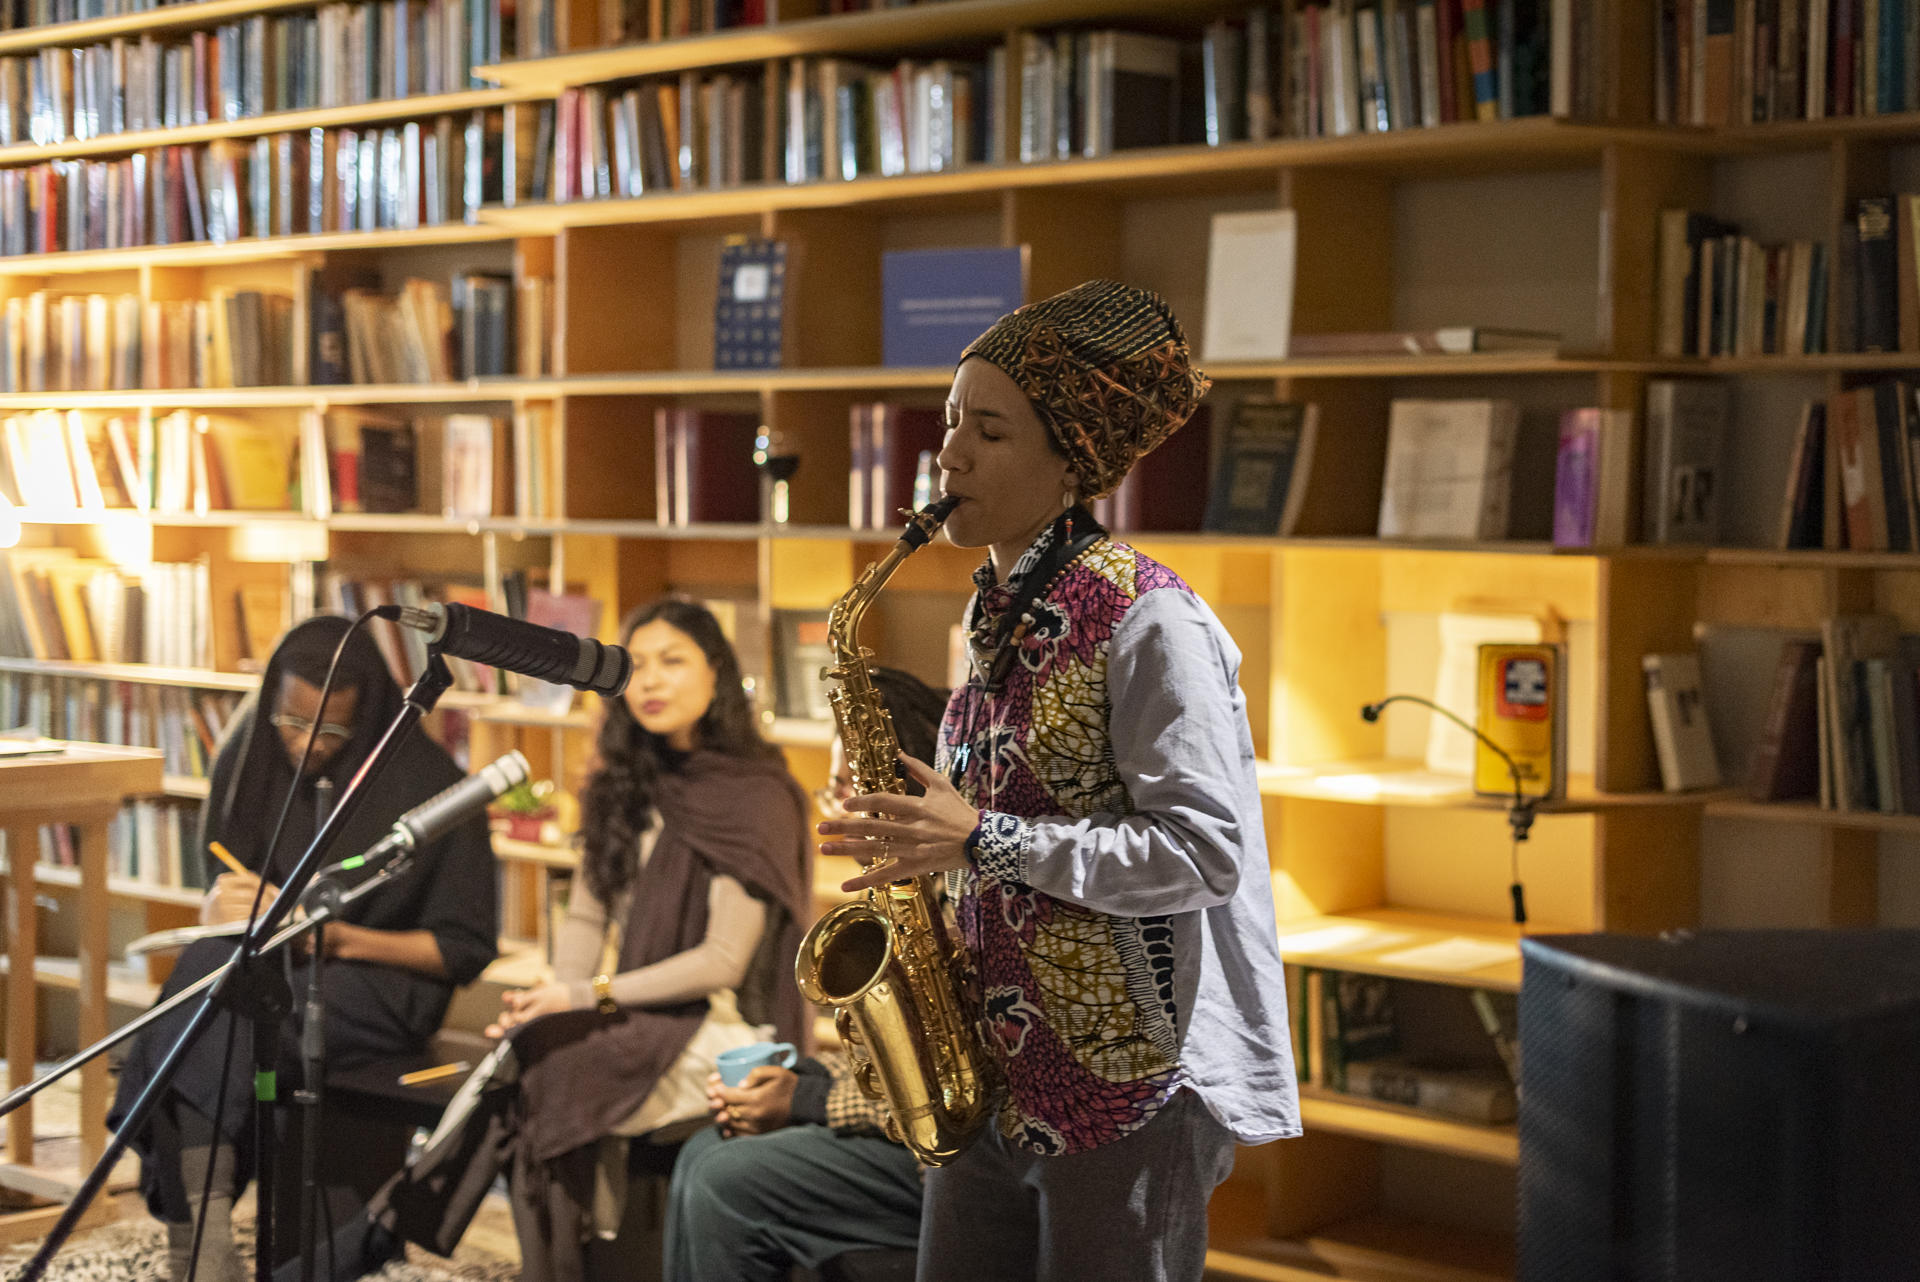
x=64, y=974
x=247, y=249
x=534, y=852
x=1812, y=814
x=139, y=673
x=1393, y=782
x=1375, y=1247
x=1343, y=1114
x=118, y=887
x=198, y=13
x=1343, y=944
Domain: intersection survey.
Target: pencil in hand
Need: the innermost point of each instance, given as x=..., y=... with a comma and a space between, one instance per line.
x=221, y=853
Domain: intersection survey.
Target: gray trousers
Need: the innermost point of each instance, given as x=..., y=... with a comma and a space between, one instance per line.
x=749, y=1209
x=1132, y=1209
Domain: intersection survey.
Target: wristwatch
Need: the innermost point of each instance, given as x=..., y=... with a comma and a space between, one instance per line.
x=603, y=994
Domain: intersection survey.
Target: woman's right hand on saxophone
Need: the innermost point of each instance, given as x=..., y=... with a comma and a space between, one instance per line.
x=923, y=834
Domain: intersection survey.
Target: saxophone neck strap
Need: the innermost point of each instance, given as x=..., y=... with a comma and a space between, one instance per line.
x=1073, y=533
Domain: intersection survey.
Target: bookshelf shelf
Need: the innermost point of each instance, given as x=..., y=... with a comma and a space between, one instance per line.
x=124, y=988
x=1375, y=1246
x=926, y=24
x=199, y=13
x=1504, y=146
x=1812, y=559
x=1395, y=782
x=120, y=887
x=1817, y=363
x=192, y=678
x=1367, y=940
x=1329, y=1110
x=251, y=249
x=476, y=391
x=1812, y=815
x=798, y=732
x=186, y=788
x=267, y=123
x=1788, y=135
x=510, y=712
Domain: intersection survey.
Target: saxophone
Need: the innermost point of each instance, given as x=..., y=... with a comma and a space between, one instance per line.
x=888, y=963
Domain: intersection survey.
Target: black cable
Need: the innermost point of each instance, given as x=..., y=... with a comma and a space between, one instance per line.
x=1519, y=813
x=246, y=942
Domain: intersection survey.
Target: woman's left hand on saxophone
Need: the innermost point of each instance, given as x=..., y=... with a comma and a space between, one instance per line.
x=922, y=834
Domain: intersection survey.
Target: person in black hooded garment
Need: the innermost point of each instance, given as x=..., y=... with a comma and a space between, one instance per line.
x=393, y=959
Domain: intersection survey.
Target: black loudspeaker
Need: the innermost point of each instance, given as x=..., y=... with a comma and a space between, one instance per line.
x=1720, y=1105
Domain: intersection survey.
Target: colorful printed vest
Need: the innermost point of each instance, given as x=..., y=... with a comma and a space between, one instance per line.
x=1080, y=1004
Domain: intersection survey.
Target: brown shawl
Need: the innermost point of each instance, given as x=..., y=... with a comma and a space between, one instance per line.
x=582, y=1072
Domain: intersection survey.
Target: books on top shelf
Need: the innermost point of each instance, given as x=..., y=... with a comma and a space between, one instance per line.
x=382, y=177
x=936, y=301
x=1521, y=706
x=842, y=120
x=1738, y=62
x=59, y=606
x=1686, y=426
x=1250, y=266
x=1265, y=464
x=1449, y=472
x=100, y=342
x=750, y=316
x=1593, y=478
x=335, y=56
x=1677, y=710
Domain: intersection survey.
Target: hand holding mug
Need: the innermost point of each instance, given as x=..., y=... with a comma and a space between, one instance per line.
x=762, y=1102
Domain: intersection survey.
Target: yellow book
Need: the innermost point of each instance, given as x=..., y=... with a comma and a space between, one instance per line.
x=255, y=461
x=1522, y=708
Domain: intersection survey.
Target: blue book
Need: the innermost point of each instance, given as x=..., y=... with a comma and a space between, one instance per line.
x=938, y=300
x=749, y=314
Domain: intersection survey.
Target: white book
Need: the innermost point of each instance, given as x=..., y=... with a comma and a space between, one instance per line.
x=1340, y=77
x=1682, y=739
x=1449, y=469
x=1250, y=274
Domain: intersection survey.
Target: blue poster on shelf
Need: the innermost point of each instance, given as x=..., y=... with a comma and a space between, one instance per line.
x=939, y=300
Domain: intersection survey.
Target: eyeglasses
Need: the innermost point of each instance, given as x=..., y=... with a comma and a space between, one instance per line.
x=832, y=799
x=300, y=725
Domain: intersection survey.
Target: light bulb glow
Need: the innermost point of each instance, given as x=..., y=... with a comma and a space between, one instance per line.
x=9, y=523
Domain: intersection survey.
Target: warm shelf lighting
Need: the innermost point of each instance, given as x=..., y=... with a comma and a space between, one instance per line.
x=9, y=523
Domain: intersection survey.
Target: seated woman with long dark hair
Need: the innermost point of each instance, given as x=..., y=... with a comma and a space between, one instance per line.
x=394, y=959
x=695, y=875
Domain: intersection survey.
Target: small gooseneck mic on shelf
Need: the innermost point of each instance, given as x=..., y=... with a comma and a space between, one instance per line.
x=1519, y=811
x=529, y=649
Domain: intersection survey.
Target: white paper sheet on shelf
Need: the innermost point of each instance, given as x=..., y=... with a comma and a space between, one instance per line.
x=1458, y=953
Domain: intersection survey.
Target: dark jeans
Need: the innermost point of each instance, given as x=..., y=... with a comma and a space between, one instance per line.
x=1132, y=1209
x=751, y=1208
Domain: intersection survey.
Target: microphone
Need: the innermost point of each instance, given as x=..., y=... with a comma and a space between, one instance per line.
x=435, y=816
x=1519, y=811
x=529, y=649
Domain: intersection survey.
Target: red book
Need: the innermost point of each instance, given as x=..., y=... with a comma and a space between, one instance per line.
x=1446, y=15
x=888, y=441
x=1167, y=490
x=707, y=471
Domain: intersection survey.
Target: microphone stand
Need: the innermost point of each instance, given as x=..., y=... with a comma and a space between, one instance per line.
x=313, y=1049
x=245, y=987
x=1520, y=812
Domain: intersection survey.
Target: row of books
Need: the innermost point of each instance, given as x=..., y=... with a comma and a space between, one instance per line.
x=1852, y=478
x=396, y=177
x=60, y=606
x=16, y=14
x=426, y=332
x=1843, y=720
x=1722, y=293
x=114, y=342
x=842, y=120
x=455, y=465
x=171, y=464
x=337, y=55
x=1348, y=1037
x=1737, y=62
x=185, y=725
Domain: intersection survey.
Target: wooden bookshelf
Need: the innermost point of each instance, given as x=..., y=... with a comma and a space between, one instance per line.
x=1538, y=223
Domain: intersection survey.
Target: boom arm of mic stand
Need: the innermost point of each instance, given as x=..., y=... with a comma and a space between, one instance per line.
x=419, y=701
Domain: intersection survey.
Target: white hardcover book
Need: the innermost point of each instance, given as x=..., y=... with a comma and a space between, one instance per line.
x=1449, y=470
x=1686, y=423
x=1250, y=273
x=1682, y=739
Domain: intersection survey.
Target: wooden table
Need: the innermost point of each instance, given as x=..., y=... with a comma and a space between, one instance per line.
x=85, y=785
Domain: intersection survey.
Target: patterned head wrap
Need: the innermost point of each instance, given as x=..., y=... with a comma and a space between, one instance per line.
x=1107, y=369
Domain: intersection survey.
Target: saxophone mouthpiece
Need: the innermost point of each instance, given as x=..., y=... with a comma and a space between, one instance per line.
x=924, y=524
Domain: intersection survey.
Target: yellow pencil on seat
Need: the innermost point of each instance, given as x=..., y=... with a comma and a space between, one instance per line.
x=435, y=1073
x=221, y=853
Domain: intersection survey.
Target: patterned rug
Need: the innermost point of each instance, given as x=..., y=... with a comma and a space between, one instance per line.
x=135, y=1250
